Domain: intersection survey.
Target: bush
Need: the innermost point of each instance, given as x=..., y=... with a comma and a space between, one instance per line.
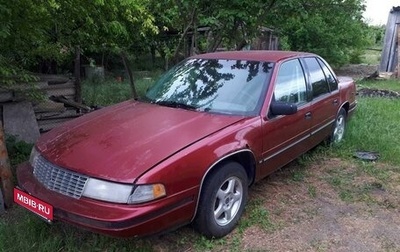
x=18, y=151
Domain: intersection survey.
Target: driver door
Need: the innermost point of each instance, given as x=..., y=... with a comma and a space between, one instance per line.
x=285, y=137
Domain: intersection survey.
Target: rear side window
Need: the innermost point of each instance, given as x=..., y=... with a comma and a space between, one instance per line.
x=333, y=85
x=290, y=85
x=317, y=77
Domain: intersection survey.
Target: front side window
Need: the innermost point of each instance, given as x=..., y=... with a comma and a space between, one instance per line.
x=214, y=85
x=290, y=85
x=317, y=77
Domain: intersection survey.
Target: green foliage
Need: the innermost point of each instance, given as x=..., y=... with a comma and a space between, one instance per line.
x=312, y=191
x=38, y=34
x=393, y=85
x=18, y=151
x=30, y=233
x=256, y=214
x=371, y=57
x=375, y=127
x=375, y=35
x=204, y=244
x=332, y=29
x=18, y=80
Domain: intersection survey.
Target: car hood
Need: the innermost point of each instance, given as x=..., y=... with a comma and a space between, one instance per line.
x=121, y=142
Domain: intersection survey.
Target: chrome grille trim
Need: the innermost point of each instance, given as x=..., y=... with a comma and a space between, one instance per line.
x=58, y=179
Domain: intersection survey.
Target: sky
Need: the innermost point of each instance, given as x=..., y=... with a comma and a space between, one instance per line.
x=377, y=11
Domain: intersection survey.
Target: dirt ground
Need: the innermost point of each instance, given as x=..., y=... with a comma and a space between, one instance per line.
x=330, y=205
x=324, y=221
x=358, y=71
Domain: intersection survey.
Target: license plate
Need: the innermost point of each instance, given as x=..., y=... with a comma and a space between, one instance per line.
x=39, y=207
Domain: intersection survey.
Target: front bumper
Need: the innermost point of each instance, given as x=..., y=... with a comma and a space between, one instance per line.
x=109, y=218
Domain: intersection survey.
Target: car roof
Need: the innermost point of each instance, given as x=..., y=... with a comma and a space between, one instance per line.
x=256, y=55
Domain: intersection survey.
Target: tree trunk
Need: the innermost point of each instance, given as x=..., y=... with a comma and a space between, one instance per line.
x=182, y=38
x=153, y=55
x=77, y=73
x=6, y=180
x=163, y=55
x=130, y=75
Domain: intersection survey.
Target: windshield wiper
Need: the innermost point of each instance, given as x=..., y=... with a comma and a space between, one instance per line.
x=175, y=104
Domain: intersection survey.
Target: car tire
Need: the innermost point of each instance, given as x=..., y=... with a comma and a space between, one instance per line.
x=222, y=200
x=339, y=127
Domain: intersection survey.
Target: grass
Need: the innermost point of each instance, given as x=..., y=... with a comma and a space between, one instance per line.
x=26, y=232
x=371, y=57
x=374, y=127
x=109, y=91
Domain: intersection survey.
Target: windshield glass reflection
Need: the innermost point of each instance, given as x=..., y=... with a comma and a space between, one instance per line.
x=214, y=85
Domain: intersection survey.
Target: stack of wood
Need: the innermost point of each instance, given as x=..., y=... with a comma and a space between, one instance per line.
x=25, y=120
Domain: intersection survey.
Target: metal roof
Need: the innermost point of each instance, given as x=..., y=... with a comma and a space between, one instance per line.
x=257, y=55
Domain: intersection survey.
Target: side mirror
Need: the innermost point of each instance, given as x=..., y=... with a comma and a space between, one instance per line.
x=283, y=108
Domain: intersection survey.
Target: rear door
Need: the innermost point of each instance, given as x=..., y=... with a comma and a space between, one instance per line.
x=325, y=98
x=285, y=137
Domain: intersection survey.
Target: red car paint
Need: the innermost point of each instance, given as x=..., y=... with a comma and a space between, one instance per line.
x=143, y=143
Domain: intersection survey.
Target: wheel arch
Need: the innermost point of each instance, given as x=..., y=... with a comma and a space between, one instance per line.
x=245, y=157
x=345, y=106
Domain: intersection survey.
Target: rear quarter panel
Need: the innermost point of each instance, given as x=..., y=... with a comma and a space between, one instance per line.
x=347, y=87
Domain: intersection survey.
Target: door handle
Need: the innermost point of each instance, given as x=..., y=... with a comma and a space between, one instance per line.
x=308, y=115
x=335, y=102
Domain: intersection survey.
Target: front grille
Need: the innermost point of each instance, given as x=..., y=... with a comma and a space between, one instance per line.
x=57, y=179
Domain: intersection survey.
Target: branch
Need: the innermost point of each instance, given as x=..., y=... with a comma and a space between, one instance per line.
x=129, y=71
x=184, y=34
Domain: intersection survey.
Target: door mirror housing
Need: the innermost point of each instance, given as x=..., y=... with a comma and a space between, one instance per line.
x=283, y=108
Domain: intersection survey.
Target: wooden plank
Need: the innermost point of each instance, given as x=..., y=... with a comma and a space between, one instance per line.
x=48, y=124
x=6, y=96
x=398, y=50
x=383, y=67
x=6, y=177
x=67, y=89
x=388, y=57
x=49, y=106
x=71, y=113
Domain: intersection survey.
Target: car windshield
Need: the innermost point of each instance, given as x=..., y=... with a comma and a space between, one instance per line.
x=214, y=85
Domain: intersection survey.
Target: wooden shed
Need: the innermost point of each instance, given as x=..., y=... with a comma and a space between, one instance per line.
x=390, y=53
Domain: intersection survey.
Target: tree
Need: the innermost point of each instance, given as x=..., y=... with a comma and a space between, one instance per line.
x=40, y=35
x=331, y=28
x=231, y=24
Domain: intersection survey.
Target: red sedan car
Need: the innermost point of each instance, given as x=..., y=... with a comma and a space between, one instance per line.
x=207, y=130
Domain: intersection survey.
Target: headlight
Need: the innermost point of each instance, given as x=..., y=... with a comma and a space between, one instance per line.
x=122, y=193
x=107, y=191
